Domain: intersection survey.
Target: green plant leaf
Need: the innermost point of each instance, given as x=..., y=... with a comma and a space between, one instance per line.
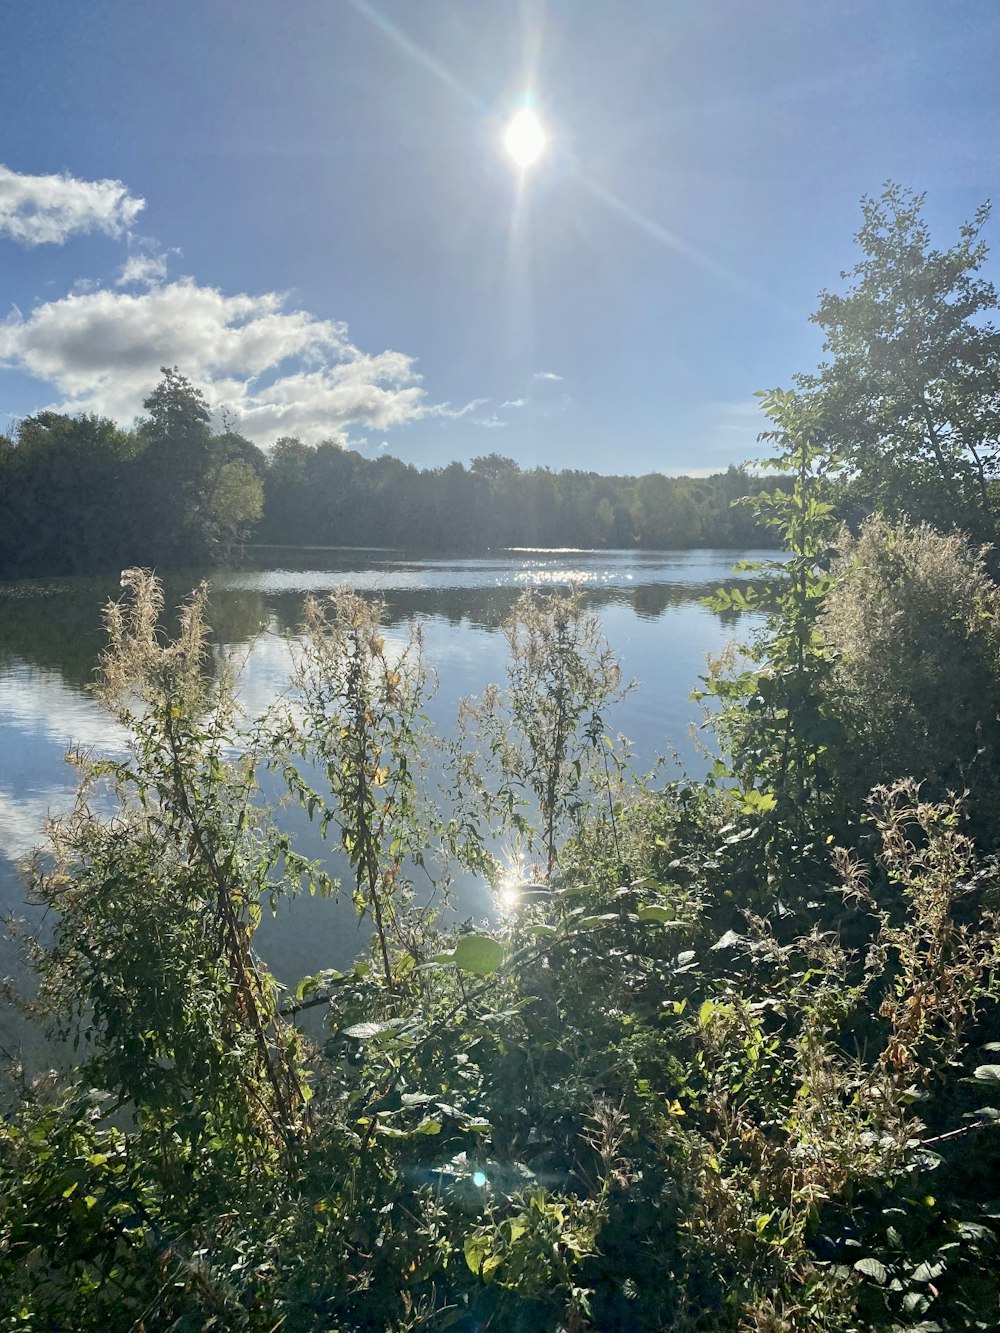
x=481, y=954
x=873, y=1268
x=663, y=914
x=365, y=1031
x=476, y=1248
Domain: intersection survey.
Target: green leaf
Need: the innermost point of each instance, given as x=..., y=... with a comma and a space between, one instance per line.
x=476, y=1248
x=987, y=1074
x=481, y=954
x=365, y=1031
x=663, y=914
x=591, y=922
x=306, y=987
x=758, y=802
x=928, y=1271
x=871, y=1267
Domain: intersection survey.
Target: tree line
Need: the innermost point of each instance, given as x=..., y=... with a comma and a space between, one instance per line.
x=329, y=494
x=80, y=495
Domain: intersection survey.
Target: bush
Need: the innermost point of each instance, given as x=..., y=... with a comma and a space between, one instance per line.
x=913, y=623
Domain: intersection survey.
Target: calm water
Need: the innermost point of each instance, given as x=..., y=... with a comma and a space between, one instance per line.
x=50, y=637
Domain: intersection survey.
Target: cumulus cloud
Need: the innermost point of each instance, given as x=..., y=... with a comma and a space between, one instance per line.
x=46, y=210
x=278, y=371
x=275, y=370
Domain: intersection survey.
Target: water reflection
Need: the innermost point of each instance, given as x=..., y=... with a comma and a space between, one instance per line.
x=50, y=639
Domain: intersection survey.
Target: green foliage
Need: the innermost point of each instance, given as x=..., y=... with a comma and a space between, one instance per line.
x=913, y=628
x=327, y=495
x=364, y=728
x=773, y=719
x=78, y=494
x=911, y=393
x=636, y=1105
x=544, y=738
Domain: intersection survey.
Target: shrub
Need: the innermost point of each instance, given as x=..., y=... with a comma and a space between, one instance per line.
x=912, y=622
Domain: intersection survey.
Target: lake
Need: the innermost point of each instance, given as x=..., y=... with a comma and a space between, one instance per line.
x=50, y=637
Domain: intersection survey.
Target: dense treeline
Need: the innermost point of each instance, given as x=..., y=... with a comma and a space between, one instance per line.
x=80, y=495
x=725, y=1062
x=329, y=496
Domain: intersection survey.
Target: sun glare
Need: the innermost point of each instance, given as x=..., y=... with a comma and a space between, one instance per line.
x=525, y=139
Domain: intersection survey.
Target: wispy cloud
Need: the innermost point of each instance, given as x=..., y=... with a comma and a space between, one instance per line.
x=456, y=413
x=142, y=270
x=47, y=210
x=741, y=415
x=546, y=375
x=513, y=402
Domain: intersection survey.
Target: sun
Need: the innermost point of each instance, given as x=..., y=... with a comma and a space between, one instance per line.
x=524, y=138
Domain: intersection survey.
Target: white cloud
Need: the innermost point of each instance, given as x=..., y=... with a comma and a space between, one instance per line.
x=275, y=370
x=278, y=371
x=456, y=413
x=141, y=270
x=45, y=210
x=514, y=402
x=546, y=375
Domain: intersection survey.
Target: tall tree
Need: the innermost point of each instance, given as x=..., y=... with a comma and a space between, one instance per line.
x=911, y=393
x=201, y=491
x=177, y=436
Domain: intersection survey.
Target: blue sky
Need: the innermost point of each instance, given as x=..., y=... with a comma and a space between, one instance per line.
x=307, y=207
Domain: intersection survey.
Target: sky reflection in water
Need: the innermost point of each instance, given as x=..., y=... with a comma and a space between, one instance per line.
x=50, y=637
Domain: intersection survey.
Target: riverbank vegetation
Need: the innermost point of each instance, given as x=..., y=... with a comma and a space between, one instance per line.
x=726, y=1059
